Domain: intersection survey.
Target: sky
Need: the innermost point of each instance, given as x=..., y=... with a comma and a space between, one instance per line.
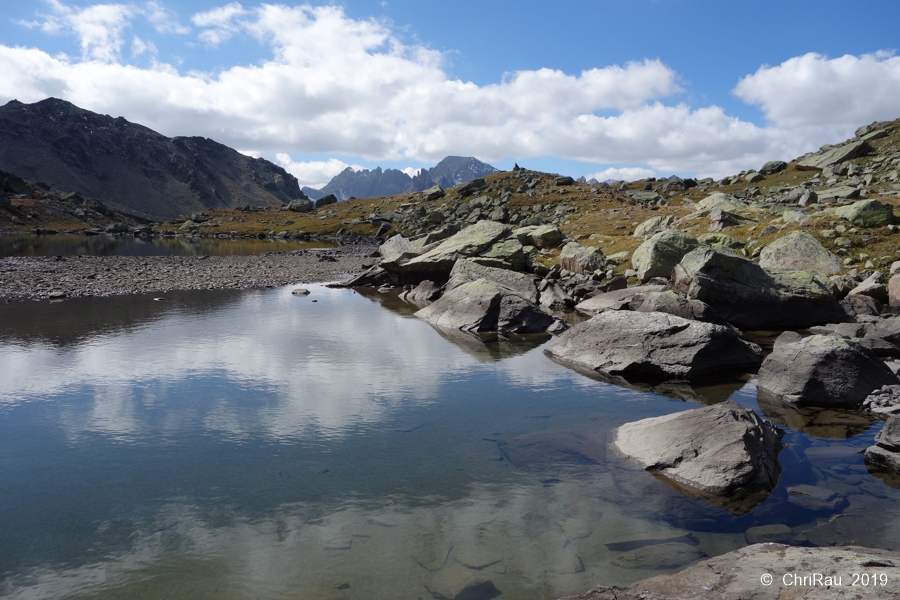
x=612, y=89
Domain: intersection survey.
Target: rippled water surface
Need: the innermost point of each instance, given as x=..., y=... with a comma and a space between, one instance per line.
x=64, y=244
x=262, y=445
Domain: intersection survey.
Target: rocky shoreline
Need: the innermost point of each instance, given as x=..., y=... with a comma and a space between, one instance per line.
x=72, y=276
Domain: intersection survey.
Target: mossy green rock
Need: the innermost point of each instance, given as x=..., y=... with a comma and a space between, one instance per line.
x=801, y=251
x=503, y=254
x=719, y=240
x=866, y=213
x=657, y=256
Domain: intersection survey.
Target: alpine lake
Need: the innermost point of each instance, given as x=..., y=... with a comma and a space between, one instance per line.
x=257, y=444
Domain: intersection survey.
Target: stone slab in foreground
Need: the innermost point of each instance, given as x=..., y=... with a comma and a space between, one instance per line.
x=739, y=574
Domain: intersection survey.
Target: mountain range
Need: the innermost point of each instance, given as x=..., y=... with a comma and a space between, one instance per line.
x=451, y=171
x=131, y=168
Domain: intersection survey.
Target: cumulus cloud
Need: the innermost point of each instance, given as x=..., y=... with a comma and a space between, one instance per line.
x=316, y=173
x=622, y=174
x=813, y=90
x=99, y=27
x=333, y=84
x=219, y=24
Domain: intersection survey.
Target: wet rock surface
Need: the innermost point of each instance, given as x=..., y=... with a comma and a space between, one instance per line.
x=38, y=277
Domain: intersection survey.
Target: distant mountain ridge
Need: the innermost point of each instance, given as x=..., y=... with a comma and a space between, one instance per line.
x=451, y=171
x=132, y=168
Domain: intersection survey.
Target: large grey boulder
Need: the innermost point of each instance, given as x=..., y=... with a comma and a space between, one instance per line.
x=301, y=205
x=721, y=201
x=507, y=253
x=866, y=213
x=738, y=574
x=396, y=251
x=326, y=200
x=657, y=256
x=799, y=251
x=638, y=346
x=722, y=449
x=582, y=260
x=823, y=371
x=674, y=304
x=467, y=270
x=654, y=225
x=886, y=451
x=437, y=262
x=833, y=156
x=772, y=167
x=485, y=306
x=545, y=236
x=750, y=297
x=619, y=299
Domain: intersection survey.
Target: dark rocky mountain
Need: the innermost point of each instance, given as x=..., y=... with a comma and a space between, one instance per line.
x=131, y=168
x=451, y=171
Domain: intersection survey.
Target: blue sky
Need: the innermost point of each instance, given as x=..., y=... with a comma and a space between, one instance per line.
x=617, y=88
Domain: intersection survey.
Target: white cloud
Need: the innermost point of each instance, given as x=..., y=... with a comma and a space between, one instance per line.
x=338, y=85
x=139, y=47
x=99, y=27
x=411, y=171
x=163, y=19
x=813, y=90
x=622, y=174
x=315, y=174
x=219, y=24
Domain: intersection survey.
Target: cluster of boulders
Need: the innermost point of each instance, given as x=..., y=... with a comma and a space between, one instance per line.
x=477, y=200
x=52, y=204
x=682, y=323
x=486, y=276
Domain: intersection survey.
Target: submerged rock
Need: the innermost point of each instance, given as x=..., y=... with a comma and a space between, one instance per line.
x=824, y=371
x=654, y=346
x=723, y=449
x=660, y=556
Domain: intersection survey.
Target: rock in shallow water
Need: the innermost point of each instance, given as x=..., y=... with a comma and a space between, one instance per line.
x=485, y=306
x=886, y=451
x=654, y=346
x=825, y=371
x=721, y=450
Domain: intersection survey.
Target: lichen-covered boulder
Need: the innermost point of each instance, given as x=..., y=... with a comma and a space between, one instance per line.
x=750, y=297
x=866, y=213
x=581, y=259
x=466, y=270
x=437, y=262
x=799, y=251
x=654, y=346
x=823, y=371
x=657, y=256
x=653, y=225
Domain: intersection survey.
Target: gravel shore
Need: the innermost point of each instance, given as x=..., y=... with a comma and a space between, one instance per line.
x=39, y=277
